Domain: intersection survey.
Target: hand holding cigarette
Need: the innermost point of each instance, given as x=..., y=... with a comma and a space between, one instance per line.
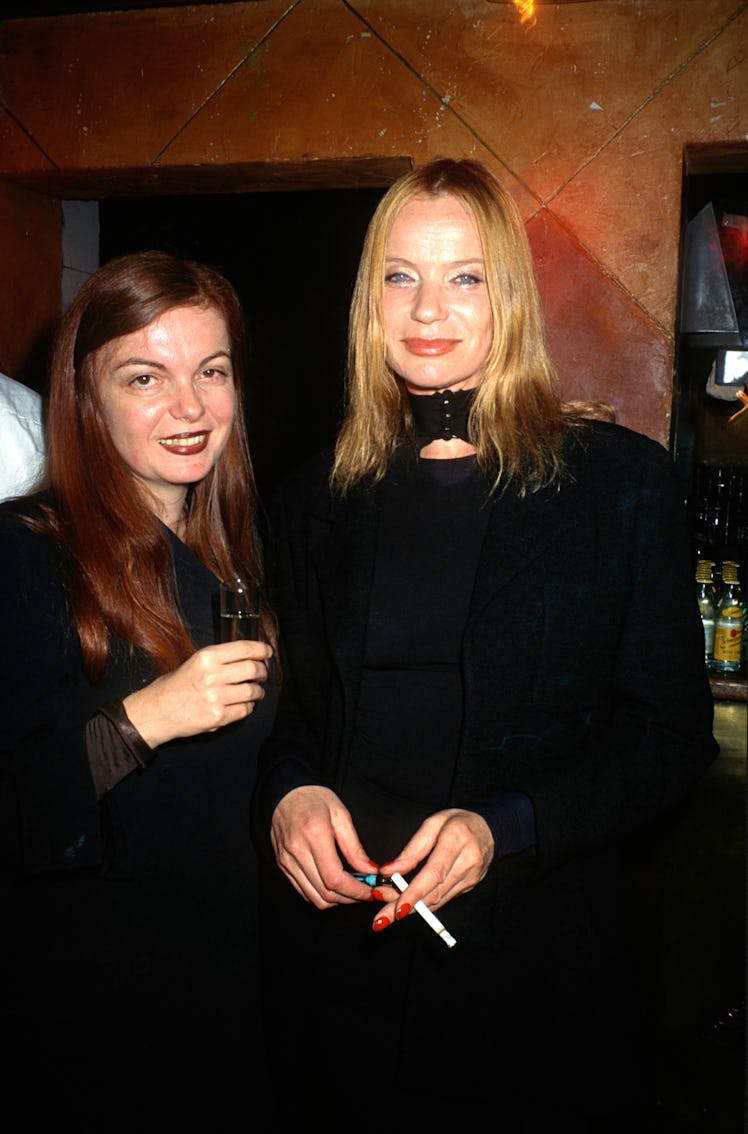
x=451, y=851
x=430, y=918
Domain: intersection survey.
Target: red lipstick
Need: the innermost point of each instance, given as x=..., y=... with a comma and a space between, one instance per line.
x=185, y=444
x=430, y=348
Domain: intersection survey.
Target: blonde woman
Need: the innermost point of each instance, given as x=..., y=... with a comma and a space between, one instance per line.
x=487, y=692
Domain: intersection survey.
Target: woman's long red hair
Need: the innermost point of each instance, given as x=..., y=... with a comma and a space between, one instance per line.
x=120, y=580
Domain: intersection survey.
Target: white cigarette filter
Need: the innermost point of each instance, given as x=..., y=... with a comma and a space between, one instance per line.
x=430, y=918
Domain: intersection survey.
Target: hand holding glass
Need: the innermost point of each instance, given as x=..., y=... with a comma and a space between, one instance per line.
x=239, y=611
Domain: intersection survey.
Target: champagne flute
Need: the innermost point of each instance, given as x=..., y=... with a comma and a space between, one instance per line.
x=239, y=610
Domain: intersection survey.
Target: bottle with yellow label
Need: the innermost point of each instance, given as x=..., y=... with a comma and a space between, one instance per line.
x=729, y=623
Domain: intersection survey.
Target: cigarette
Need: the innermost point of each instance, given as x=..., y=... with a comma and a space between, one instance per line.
x=425, y=912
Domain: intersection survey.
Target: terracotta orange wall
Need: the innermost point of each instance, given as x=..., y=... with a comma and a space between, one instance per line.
x=31, y=279
x=584, y=114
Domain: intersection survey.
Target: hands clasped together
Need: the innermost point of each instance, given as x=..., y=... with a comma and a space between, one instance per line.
x=314, y=837
x=217, y=686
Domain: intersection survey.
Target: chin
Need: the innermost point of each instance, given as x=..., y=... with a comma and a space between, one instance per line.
x=190, y=475
x=431, y=385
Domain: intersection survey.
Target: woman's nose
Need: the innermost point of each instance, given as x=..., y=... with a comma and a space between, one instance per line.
x=428, y=304
x=187, y=404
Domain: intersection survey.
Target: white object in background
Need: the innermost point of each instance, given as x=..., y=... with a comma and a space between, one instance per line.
x=21, y=437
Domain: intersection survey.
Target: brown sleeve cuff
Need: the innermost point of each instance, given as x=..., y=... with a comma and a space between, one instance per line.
x=114, y=748
x=133, y=741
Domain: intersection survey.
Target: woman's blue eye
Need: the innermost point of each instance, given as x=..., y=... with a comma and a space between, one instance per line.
x=468, y=278
x=397, y=277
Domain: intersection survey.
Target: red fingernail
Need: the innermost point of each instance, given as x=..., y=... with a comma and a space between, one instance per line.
x=373, y=863
x=378, y=896
x=380, y=924
x=403, y=910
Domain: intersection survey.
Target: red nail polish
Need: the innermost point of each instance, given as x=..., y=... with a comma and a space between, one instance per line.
x=378, y=896
x=403, y=910
x=380, y=924
x=373, y=863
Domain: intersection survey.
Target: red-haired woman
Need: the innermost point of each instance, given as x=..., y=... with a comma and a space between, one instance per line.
x=129, y=737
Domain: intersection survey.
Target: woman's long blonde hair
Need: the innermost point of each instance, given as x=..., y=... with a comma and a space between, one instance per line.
x=517, y=422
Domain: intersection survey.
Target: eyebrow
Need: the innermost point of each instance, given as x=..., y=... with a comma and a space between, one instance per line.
x=152, y=364
x=451, y=264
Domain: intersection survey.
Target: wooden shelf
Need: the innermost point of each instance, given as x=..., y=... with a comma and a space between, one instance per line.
x=728, y=688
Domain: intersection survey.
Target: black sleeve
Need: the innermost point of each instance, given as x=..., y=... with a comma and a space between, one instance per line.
x=640, y=756
x=47, y=793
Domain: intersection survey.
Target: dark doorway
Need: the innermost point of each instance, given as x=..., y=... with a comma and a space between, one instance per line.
x=708, y=444
x=292, y=257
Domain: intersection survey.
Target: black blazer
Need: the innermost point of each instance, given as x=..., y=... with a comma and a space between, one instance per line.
x=160, y=874
x=584, y=687
x=583, y=659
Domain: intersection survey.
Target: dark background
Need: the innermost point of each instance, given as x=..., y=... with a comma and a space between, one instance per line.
x=292, y=256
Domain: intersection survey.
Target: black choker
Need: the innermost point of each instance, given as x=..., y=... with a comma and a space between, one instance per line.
x=441, y=416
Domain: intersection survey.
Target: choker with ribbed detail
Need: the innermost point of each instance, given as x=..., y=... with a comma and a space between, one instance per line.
x=441, y=416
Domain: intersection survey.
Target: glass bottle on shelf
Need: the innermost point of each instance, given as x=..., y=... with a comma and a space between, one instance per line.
x=729, y=626
x=705, y=598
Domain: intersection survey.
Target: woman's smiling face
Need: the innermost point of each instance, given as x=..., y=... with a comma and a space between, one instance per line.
x=168, y=399
x=437, y=316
